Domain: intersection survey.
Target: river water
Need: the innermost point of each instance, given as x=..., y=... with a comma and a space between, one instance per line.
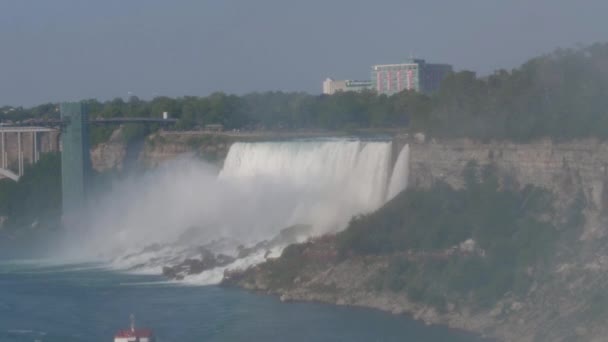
x=86, y=302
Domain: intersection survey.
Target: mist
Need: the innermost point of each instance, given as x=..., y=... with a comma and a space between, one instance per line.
x=262, y=188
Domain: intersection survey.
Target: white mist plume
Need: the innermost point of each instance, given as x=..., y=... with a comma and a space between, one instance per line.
x=262, y=188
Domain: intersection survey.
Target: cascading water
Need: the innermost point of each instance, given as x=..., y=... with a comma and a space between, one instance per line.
x=261, y=189
x=400, y=173
x=347, y=175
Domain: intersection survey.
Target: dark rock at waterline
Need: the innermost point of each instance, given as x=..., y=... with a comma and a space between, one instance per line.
x=285, y=237
x=208, y=260
x=196, y=266
x=155, y=247
x=244, y=252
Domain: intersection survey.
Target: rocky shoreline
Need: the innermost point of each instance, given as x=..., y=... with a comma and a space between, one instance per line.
x=552, y=311
x=345, y=284
x=391, y=303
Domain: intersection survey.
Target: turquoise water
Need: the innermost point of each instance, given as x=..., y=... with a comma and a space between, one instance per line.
x=50, y=303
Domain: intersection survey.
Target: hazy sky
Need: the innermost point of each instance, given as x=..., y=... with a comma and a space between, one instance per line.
x=56, y=50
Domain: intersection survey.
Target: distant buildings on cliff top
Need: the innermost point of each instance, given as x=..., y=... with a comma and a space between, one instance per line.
x=389, y=79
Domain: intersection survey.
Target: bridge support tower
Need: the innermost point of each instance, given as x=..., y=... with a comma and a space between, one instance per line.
x=75, y=159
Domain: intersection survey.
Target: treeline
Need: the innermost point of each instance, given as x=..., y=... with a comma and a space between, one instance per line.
x=561, y=95
x=269, y=110
x=259, y=111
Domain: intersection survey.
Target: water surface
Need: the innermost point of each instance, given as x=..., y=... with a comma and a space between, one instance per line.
x=48, y=303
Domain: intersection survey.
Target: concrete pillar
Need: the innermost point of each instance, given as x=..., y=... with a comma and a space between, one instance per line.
x=3, y=151
x=75, y=159
x=35, y=143
x=19, y=156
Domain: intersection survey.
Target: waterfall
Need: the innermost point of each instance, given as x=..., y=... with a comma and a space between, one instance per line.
x=262, y=188
x=331, y=177
x=400, y=173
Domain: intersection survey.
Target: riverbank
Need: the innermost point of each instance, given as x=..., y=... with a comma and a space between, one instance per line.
x=76, y=300
x=352, y=283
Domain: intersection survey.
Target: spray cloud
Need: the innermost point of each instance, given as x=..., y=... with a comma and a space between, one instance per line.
x=261, y=189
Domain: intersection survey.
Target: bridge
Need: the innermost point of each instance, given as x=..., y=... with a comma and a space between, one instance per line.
x=73, y=128
x=31, y=133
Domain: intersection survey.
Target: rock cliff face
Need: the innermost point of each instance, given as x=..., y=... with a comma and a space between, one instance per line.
x=111, y=154
x=161, y=147
x=164, y=146
x=569, y=169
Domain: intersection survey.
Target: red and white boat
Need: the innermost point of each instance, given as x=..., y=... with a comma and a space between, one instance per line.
x=134, y=335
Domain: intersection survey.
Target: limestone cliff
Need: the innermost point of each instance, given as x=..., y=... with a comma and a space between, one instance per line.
x=161, y=147
x=164, y=146
x=567, y=169
x=109, y=155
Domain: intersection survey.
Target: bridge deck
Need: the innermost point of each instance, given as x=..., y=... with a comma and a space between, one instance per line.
x=25, y=129
x=47, y=125
x=103, y=121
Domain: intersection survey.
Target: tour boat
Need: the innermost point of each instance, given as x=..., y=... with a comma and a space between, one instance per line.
x=134, y=335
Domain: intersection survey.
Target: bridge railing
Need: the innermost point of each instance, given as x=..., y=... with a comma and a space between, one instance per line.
x=49, y=124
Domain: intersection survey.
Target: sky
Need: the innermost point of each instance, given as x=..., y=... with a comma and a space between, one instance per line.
x=66, y=50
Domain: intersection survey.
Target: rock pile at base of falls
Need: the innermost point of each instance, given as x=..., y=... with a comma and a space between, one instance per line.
x=196, y=266
x=209, y=260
